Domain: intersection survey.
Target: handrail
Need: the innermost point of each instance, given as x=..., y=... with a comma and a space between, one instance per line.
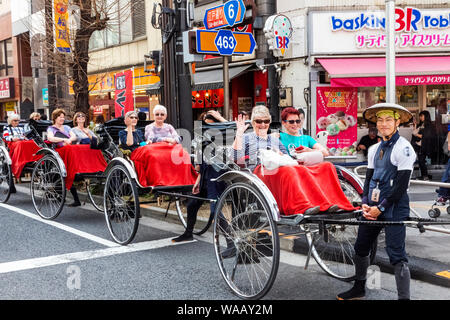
x=413, y=181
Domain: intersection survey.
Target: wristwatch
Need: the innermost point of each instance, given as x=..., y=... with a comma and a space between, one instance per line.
x=381, y=208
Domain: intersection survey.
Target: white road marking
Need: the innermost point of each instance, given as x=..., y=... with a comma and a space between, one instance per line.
x=61, y=226
x=28, y=264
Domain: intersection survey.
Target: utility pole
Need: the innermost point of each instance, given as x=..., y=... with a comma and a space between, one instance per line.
x=390, y=51
x=184, y=92
x=51, y=76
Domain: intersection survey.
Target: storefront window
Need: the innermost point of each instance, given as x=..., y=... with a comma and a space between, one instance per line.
x=407, y=96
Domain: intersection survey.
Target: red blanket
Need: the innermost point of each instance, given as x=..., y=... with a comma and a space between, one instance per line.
x=80, y=158
x=297, y=188
x=21, y=153
x=162, y=164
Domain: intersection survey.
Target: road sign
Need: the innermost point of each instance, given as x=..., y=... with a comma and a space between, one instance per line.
x=224, y=42
x=225, y=15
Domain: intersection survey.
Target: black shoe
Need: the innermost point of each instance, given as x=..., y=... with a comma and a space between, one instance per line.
x=184, y=237
x=13, y=189
x=358, y=291
x=229, y=252
x=74, y=204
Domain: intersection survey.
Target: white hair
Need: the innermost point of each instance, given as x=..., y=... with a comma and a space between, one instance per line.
x=159, y=107
x=12, y=117
x=260, y=112
x=129, y=113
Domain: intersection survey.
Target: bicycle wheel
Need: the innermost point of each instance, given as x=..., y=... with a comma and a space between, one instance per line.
x=332, y=247
x=182, y=215
x=48, y=190
x=243, y=221
x=95, y=188
x=6, y=179
x=121, y=205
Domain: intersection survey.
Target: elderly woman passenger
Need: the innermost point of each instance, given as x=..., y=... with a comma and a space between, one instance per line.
x=12, y=132
x=83, y=134
x=159, y=131
x=131, y=138
x=248, y=144
x=59, y=133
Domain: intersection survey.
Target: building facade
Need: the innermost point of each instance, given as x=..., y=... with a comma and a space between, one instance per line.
x=121, y=47
x=16, y=94
x=336, y=63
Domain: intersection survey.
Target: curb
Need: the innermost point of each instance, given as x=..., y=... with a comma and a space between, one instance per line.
x=433, y=272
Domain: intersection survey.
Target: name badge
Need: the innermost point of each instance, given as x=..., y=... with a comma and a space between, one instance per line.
x=376, y=194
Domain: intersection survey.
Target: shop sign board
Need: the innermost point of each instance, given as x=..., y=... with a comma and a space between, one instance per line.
x=337, y=115
x=123, y=96
x=364, y=31
x=6, y=88
x=61, y=19
x=225, y=15
x=225, y=42
x=45, y=97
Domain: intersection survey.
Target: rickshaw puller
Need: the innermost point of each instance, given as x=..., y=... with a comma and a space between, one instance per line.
x=385, y=198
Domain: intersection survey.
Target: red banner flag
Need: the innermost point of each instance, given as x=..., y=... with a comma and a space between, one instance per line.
x=124, y=92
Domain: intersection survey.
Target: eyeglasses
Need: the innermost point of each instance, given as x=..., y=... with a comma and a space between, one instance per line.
x=259, y=121
x=160, y=114
x=15, y=120
x=293, y=121
x=80, y=116
x=132, y=117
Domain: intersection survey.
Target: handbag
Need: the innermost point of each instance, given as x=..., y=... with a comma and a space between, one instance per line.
x=309, y=158
x=271, y=159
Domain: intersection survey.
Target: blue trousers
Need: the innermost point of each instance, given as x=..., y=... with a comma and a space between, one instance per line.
x=445, y=192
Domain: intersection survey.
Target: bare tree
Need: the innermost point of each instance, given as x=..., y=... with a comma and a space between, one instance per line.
x=86, y=17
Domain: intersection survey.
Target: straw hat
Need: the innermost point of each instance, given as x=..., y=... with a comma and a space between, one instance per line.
x=370, y=114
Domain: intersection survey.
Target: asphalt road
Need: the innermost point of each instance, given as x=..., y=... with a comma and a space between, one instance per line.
x=74, y=258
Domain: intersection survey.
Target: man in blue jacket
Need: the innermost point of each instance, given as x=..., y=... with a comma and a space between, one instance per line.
x=385, y=198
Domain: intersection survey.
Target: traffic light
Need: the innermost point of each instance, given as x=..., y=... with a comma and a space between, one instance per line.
x=152, y=62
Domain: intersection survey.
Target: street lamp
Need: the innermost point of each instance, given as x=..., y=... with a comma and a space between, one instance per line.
x=390, y=51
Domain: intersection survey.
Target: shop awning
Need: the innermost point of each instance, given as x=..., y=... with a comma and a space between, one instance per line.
x=213, y=79
x=153, y=88
x=371, y=72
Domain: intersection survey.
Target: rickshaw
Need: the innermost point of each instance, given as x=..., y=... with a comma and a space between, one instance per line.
x=253, y=218
x=17, y=165
x=48, y=179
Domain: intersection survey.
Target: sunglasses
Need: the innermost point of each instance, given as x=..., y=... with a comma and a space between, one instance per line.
x=259, y=121
x=132, y=117
x=81, y=116
x=293, y=121
x=15, y=120
x=160, y=114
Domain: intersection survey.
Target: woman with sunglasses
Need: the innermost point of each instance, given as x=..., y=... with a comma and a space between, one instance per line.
x=83, y=134
x=246, y=146
x=131, y=138
x=12, y=132
x=159, y=131
x=293, y=138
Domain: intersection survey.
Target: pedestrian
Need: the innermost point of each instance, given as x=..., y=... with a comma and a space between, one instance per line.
x=385, y=198
x=368, y=140
x=425, y=139
x=99, y=120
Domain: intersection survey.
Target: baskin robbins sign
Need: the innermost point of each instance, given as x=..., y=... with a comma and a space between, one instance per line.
x=417, y=30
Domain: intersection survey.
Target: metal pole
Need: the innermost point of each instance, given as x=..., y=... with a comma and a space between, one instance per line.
x=226, y=89
x=390, y=51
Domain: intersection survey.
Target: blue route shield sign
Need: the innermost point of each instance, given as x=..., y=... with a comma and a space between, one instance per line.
x=225, y=42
